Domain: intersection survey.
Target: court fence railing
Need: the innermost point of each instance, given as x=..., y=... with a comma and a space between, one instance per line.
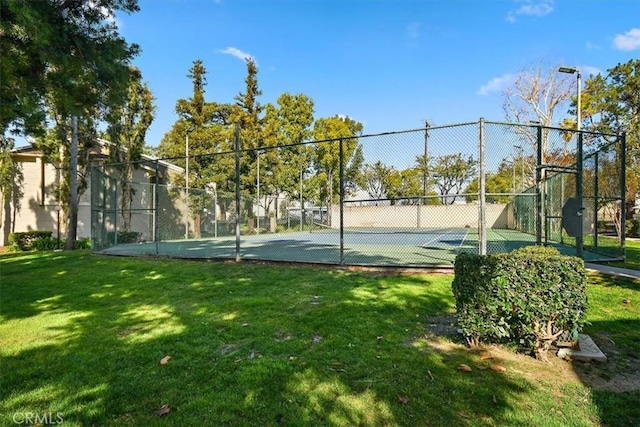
x=408, y=198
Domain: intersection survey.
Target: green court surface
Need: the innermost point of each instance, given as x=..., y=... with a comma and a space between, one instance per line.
x=388, y=247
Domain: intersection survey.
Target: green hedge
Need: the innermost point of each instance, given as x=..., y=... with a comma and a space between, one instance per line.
x=41, y=241
x=632, y=228
x=527, y=298
x=125, y=237
x=24, y=240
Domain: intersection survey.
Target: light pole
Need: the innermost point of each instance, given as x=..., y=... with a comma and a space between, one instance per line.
x=186, y=181
x=576, y=71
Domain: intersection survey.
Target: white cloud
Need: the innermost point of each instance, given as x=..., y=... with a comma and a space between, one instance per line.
x=588, y=70
x=592, y=46
x=628, y=41
x=531, y=8
x=413, y=30
x=496, y=84
x=237, y=53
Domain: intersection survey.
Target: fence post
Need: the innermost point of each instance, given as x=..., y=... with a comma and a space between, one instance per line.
x=579, y=195
x=538, y=186
x=104, y=235
x=237, y=149
x=155, y=208
x=595, y=201
x=341, y=203
x=115, y=210
x=623, y=191
x=482, y=221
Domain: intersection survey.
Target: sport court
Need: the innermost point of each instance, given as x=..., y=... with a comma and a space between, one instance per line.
x=361, y=246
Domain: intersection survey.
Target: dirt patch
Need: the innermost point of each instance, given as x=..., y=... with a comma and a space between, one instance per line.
x=621, y=372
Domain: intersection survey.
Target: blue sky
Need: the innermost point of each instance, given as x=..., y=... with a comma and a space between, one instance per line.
x=388, y=64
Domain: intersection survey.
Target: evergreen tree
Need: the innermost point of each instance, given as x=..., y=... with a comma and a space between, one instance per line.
x=128, y=125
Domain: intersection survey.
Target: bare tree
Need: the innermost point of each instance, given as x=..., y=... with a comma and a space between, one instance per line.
x=534, y=97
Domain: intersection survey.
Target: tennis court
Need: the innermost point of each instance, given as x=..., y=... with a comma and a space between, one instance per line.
x=389, y=247
x=417, y=210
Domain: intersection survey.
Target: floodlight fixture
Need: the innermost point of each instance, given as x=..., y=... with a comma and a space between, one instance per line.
x=568, y=70
x=575, y=70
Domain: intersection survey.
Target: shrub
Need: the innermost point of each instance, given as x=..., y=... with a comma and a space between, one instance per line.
x=47, y=244
x=41, y=241
x=632, y=228
x=125, y=237
x=84, y=243
x=527, y=298
x=24, y=240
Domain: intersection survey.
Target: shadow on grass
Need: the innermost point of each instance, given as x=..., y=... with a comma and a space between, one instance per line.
x=83, y=336
x=615, y=327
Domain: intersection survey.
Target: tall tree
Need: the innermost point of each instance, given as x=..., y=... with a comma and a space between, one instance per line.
x=507, y=179
x=379, y=180
x=611, y=104
x=327, y=154
x=451, y=172
x=247, y=114
x=67, y=55
x=11, y=181
x=285, y=124
x=202, y=128
x=128, y=125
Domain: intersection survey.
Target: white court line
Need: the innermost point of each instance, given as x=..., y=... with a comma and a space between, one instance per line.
x=463, y=239
x=439, y=236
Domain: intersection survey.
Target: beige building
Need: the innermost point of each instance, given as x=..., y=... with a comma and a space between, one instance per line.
x=38, y=207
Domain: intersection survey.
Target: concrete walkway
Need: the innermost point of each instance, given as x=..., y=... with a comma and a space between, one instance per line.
x=615, y=271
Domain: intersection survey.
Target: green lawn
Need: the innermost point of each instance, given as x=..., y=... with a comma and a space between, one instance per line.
x=82, y=337
x=632, y=255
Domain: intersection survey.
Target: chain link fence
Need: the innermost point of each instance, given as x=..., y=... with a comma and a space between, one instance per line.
x=411, y=198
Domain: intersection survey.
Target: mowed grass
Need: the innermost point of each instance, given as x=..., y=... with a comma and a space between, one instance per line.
x=632, y=255
x=82, y=336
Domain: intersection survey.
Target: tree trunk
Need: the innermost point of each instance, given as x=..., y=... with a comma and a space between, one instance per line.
x=127, y=198
x=72, y=229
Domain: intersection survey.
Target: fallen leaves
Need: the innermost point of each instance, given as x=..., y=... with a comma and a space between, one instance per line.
x=483, y=366
x=403, y=399
x=164, y=410
x=165, y=360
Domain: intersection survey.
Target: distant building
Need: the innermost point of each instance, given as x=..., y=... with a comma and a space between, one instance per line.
x=38, y=208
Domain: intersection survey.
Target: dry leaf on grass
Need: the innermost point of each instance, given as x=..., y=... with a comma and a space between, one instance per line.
x=164, y=410
x=165, y=360
x=481, y=367
x=498, y=368
x=403, y=399
x=430, y=375
x=464, y=368
x=486, y=356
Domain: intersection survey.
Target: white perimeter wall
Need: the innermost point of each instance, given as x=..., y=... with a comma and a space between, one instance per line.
x=430, y=216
